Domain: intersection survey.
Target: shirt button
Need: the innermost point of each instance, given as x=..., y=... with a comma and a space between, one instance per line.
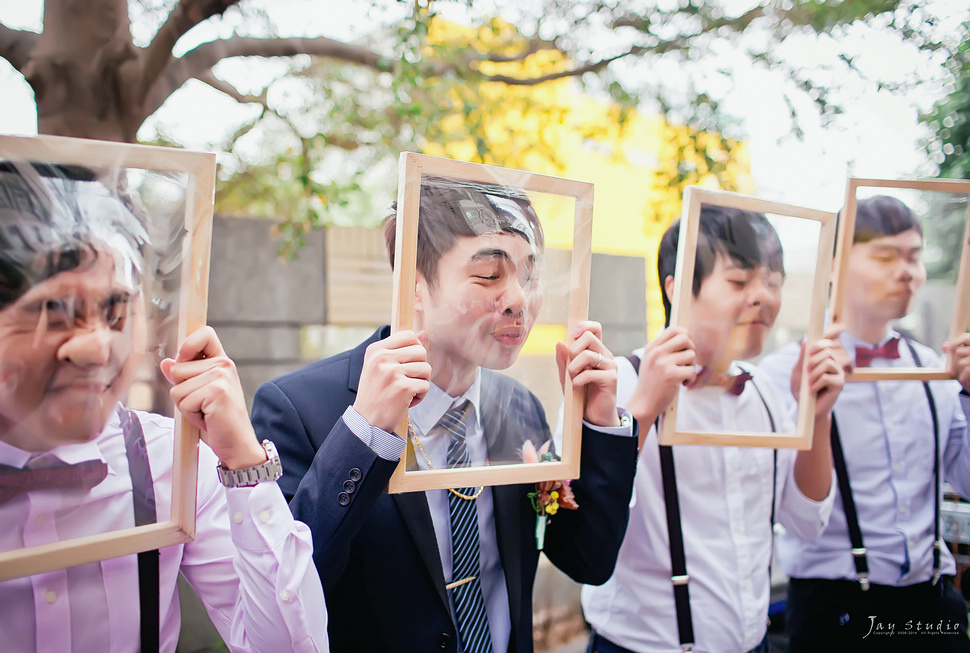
x=902, y=510
x=285, y=596
x=897, y=468
x=890, y=424
x=738, y=527
x=40, y=520
x=237, y=517
x=50, y=596
x=343, y=499
x=265, y=515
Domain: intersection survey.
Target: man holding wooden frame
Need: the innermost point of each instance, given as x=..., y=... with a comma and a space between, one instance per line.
x=76, y=463
x=878, y=577
x=334, y=420
x=693, y=571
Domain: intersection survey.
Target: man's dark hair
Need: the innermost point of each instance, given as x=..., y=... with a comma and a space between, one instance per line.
x=54, y=219
x=745, y=236
x=880, y=216
x=451, y=209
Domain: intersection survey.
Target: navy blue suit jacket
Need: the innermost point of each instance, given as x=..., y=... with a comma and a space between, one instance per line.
x=376, y=553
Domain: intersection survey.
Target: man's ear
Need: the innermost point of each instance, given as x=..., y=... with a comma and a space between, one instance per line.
x=669, y=287
x=420, y=292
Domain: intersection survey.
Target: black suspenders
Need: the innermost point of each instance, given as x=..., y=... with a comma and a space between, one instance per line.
x=678, y=559
x=143, y=495
x=679, y=577
x=848, y=503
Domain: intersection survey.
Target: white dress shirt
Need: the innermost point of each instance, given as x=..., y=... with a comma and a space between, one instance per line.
x=251, y=563
x=886, y=432
x=725, y=505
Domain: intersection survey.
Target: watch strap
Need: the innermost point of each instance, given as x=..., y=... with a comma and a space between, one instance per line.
x=270, y=470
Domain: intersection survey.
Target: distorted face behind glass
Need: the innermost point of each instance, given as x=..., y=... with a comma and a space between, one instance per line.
x=485, y=294
x=885, y=275
x=72, y=333
x=732, y=315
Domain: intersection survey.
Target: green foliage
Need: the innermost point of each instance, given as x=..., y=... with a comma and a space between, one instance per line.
x=949, y=121
x=363, y=118
x=827, y=14
x=430, y=89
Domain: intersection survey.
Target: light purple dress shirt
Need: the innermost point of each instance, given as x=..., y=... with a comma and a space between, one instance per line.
x=251, y=562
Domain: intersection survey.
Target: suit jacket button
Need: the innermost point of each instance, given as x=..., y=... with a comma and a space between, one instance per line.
x=444, y=640
x=343, y=499
x=349, y=487
x=355, y=474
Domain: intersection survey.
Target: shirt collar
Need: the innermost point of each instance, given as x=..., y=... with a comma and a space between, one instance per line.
x=69, y=453
x=850, y=342
x=437, y=402
x=733, y=368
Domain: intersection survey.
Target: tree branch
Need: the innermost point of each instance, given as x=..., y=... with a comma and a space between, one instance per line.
x=737, y=23
x=16, y=46
x=225, y=87
x=196, y=62
x=208, y=54
x=591, y=67
x=186, y=15
x=533, y=46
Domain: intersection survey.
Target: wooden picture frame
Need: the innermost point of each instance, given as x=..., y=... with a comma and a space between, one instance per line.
x=961, y=312
x=198, y=170
x=413, y=169
x=694, y=197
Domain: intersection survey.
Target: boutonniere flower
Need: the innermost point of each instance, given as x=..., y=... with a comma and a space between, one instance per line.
x=549, y=496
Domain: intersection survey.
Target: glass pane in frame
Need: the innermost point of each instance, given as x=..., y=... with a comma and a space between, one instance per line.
x=931, y=311
x=763, y=293
x=512, y=255
x=138, y=219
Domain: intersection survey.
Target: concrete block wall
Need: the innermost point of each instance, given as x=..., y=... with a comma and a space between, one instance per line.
x=259, y=302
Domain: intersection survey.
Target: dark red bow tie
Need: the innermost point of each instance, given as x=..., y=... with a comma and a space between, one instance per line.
x=79, y=476
x=865, y=355
x=731, y=383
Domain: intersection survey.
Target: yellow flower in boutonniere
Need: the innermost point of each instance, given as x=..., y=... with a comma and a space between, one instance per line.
x=549, y=496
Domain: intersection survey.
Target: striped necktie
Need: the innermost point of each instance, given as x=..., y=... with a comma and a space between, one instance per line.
x=466, y=588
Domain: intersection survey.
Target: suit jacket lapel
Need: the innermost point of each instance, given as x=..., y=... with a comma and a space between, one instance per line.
x=508, y=533
x=413, y=507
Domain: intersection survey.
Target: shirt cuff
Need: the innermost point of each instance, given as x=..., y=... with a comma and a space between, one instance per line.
x=389, y=446
x=625, y=428
x=259, y=518
x=807, y=518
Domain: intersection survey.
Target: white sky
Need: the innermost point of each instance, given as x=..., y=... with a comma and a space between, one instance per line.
x=878, y=136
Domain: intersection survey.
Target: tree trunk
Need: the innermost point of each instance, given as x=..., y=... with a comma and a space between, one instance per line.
x=84, y=71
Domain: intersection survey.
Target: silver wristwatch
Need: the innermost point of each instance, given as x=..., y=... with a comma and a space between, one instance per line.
x=271, y=470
